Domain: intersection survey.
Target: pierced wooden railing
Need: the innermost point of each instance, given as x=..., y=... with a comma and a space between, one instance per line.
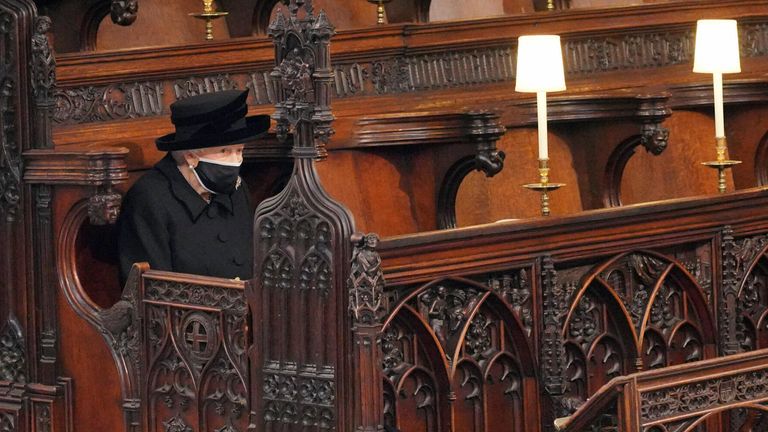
x=676, y=398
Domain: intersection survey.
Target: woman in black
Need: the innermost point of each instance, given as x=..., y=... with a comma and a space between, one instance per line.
x=191, y=213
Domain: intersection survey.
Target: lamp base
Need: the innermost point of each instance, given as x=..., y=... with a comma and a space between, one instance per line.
x=721, y=166
x=544, y=189
x=209, y=17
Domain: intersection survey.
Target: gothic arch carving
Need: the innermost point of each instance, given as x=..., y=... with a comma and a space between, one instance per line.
x=656, y=304
x=471, y=333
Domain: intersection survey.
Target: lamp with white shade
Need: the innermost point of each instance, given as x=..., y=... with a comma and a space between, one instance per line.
x=717, y=52
x=540, y=70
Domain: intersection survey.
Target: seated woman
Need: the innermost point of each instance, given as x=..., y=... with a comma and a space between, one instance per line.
x=192, y=213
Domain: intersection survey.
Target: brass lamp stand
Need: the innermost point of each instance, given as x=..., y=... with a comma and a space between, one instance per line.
x=717, y=52
x=209, y=14
x=379, y=9
x=544, y=186
x=721, y=164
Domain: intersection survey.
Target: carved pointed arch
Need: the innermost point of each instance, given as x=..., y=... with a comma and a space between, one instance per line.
x=480, y=342
x=415, y=366
x=482, y=297
x=652, y=294
x=623, y=325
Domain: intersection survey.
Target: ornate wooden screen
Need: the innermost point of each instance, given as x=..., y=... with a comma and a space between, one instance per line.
x=194, y=353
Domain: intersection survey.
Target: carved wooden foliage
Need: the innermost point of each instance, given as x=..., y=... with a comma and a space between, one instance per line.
x=195, y=357
x=13, y=362
x=459, y=338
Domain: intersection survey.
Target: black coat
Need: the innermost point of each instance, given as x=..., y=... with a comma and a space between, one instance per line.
x=166, y=223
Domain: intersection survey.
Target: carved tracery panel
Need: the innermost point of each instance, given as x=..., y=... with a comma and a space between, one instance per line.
x=195, y=357
x=458, y=338
x=639, y=310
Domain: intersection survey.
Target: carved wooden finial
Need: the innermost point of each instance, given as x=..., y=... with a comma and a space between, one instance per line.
x=303, y=77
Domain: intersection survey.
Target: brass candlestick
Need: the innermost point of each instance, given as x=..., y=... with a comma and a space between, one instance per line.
x=544, y=186
x=379, y=9
x=209, y=14
x=721, y=164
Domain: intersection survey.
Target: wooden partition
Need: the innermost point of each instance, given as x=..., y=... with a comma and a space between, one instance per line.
x=495, y=315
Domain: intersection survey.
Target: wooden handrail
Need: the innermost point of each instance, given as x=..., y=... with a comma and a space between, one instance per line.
x=629, y=390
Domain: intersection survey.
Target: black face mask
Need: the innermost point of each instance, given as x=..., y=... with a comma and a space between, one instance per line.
x=216, y=176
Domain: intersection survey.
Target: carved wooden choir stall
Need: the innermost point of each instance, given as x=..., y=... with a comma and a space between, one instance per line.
x=641, y=304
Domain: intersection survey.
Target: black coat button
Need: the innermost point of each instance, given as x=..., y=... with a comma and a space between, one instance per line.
x=222, y=237
x=238, y=260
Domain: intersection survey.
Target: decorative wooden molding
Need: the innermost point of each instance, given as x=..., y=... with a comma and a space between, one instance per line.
x=735, y=91
x=99, y=169
x=195, y=354
x=682, y=396
x=421, y=257
x=382, y=72
x=85, y=167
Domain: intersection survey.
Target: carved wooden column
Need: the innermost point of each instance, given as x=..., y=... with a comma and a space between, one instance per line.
x=366, y=289
x=301, y=370
x=552, y=361
x=34, y=396
x=728, y=314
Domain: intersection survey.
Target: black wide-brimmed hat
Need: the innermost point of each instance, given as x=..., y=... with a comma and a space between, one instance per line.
x=212, y=120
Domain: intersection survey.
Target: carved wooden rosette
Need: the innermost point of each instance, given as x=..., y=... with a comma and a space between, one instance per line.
x=301, y=372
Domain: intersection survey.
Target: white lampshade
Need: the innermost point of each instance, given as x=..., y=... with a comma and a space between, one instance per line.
x=539, y=64
x=717, y=47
